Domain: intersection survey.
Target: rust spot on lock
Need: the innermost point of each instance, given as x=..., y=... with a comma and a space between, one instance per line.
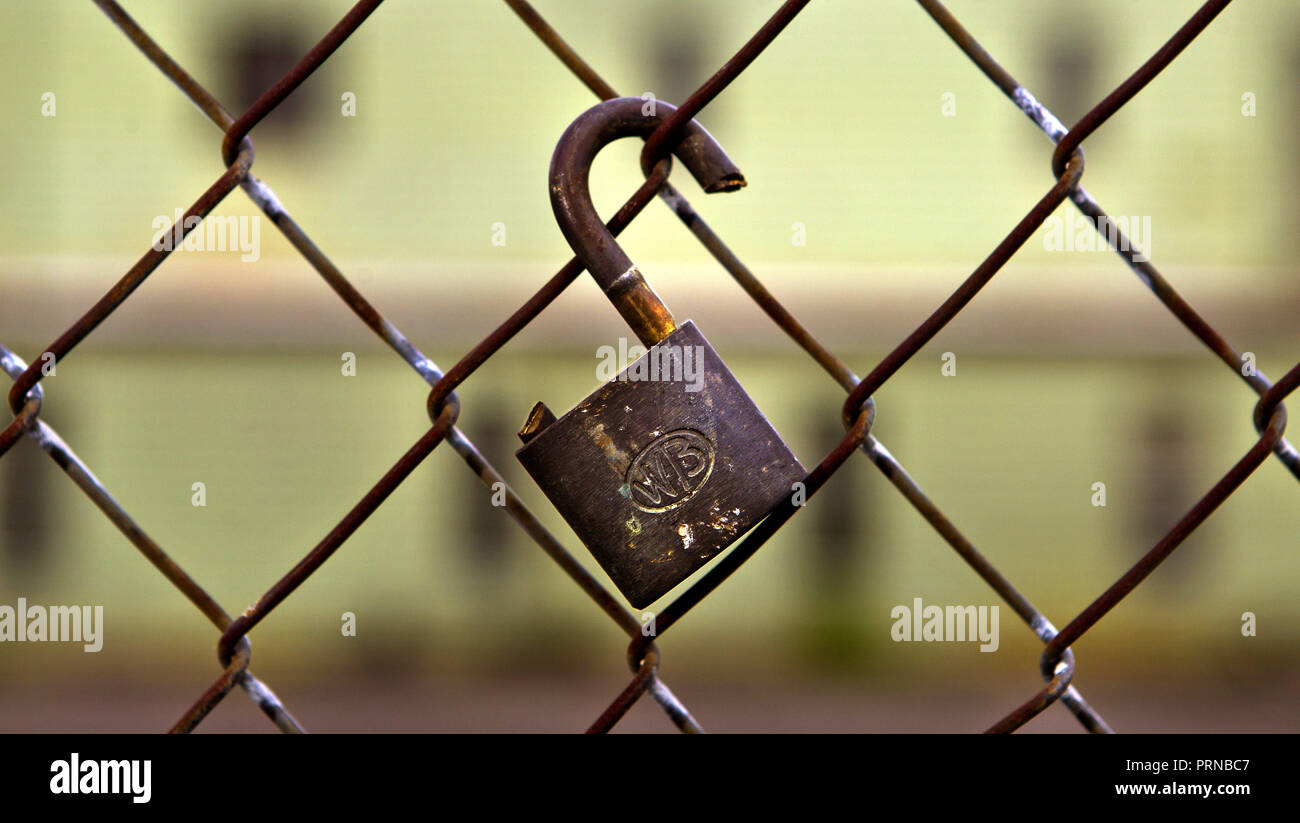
x=616, y=457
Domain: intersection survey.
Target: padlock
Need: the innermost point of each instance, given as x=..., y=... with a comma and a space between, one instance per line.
x=669, y=463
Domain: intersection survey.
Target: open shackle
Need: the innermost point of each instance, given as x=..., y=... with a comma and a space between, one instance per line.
x=582, y=227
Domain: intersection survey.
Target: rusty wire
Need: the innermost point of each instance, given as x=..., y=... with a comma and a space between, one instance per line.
x=1056, y=665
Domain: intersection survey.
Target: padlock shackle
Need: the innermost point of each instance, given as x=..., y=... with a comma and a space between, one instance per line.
x=571, y=201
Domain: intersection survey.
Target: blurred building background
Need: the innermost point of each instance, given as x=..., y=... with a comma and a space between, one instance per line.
x=1069, y=372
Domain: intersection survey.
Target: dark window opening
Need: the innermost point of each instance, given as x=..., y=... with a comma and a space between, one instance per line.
x=25, y=515
x=1071, y=86
x=677, y=61
x=255, y=62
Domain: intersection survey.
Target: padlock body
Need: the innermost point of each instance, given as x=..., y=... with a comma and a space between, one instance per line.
x=663, y=467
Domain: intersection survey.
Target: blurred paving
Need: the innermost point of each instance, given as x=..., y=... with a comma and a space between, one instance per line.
x=546, y=705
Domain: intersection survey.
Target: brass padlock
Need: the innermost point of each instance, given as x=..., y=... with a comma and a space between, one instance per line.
x=670, y=462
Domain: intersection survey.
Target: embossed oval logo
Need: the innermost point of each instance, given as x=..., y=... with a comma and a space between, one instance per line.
x=670, y=470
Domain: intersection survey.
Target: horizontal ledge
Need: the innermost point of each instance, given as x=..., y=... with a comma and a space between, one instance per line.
x=1095, y=307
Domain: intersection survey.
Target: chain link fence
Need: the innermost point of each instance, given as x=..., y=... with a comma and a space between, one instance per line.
x=1057, y=663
